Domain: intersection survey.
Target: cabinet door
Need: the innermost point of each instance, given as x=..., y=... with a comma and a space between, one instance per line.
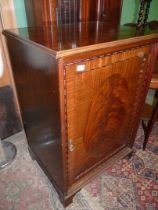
x=103, y=100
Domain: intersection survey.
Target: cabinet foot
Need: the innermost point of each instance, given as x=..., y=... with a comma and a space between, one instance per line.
x=66, y=201
x=130, y=155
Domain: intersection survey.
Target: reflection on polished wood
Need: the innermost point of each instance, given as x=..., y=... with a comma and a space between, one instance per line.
x=61, y=38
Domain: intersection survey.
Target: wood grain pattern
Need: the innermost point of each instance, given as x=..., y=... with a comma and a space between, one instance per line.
x=107, y=111
x=98, y=102
x=82, y=104
x=46, y=12
x=84, y=10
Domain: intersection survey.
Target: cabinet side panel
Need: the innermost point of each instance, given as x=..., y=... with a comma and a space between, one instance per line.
x=36, y=77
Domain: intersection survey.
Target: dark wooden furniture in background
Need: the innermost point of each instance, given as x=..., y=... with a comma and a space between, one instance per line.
x=153, y=25
x=143, y=13
x=46, y=12
x=154, y=110
x=81, y=95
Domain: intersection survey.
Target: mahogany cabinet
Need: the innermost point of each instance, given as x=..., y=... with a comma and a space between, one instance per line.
x=81, y=90
x=46, y=12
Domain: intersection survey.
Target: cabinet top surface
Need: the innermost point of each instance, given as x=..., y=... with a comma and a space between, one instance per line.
x=63, y=39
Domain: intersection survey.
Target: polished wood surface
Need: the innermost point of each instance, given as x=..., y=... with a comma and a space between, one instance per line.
x=36, y=79
x=81, y=95
x=71, y=39
x=46, y=12
x=98, y=102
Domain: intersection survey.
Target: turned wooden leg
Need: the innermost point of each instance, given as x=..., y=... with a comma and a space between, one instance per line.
x=148, y=128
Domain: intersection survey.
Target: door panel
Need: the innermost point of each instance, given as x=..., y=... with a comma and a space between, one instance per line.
x=102, y=102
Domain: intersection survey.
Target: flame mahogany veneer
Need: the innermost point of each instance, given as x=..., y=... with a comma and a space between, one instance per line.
x=81, y=90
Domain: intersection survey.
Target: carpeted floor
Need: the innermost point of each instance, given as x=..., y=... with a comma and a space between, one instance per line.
x=128, y=185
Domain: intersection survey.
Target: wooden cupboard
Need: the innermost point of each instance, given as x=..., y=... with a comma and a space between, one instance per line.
x=46, y=12
x=81, y=90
